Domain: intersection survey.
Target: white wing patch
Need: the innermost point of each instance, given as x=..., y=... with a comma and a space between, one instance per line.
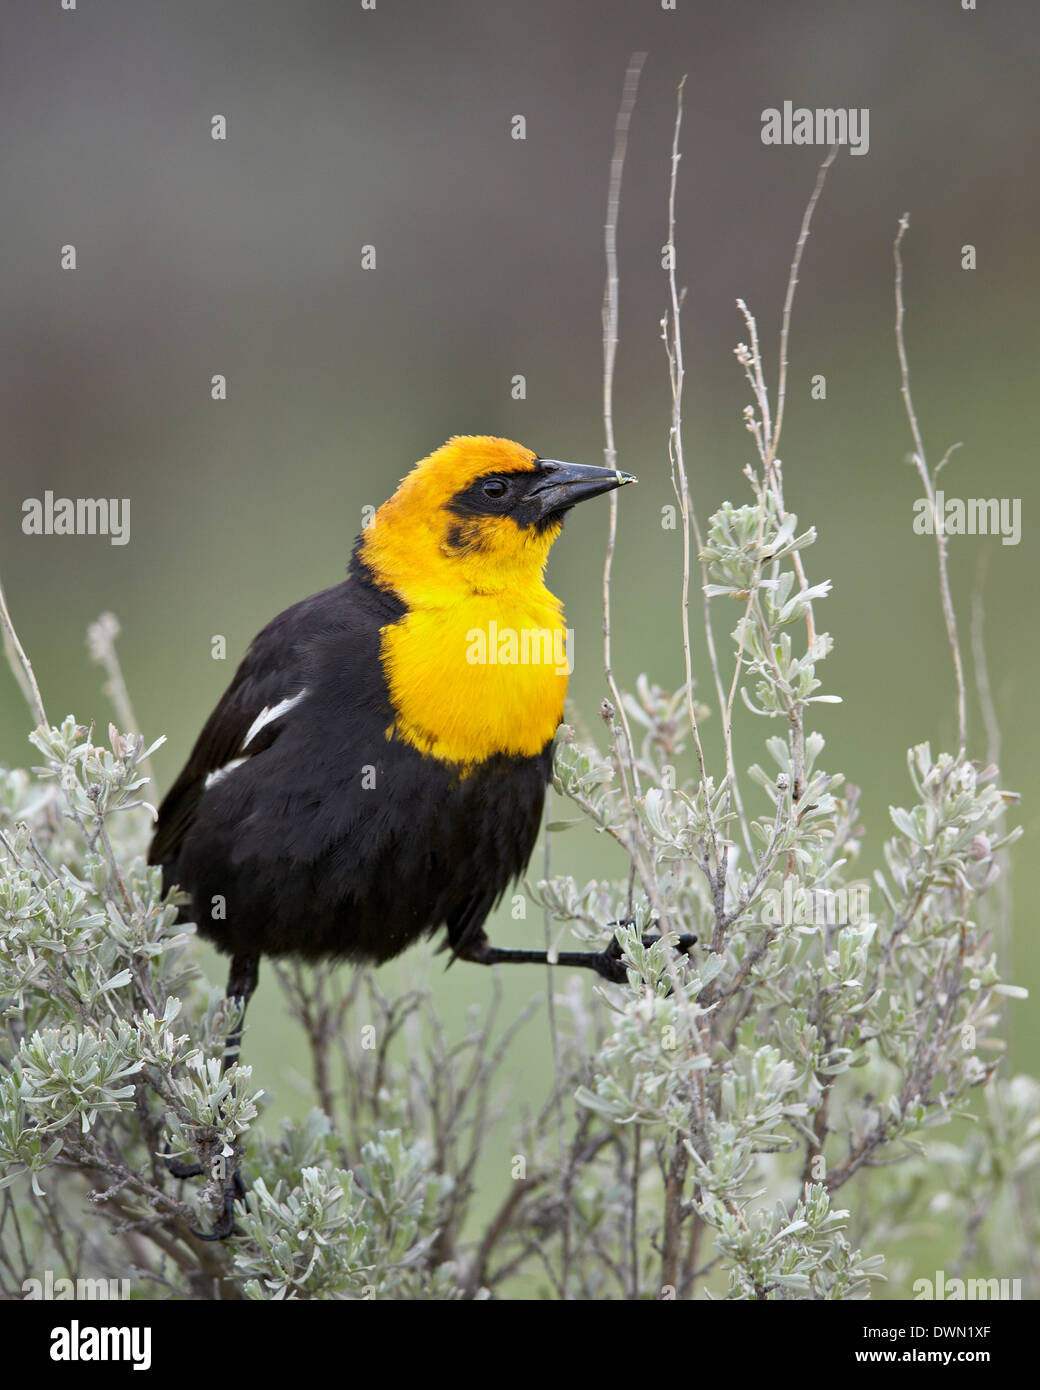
x=267, y=716
x=212, y=778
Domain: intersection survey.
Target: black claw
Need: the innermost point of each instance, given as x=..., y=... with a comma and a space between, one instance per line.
x=234, y=1190
x=226, y=1225
x=682, y=943
x=611, y=966
x=182, y=1170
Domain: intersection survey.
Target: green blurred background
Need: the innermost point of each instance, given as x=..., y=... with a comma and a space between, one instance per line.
x=392, y=128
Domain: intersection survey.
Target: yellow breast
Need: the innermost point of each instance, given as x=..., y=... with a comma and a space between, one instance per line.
x=486, y=675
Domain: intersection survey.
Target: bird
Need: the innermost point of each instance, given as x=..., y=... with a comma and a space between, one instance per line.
x=376, y=770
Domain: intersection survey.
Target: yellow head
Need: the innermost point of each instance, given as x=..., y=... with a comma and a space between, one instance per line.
x=478, y=516
x=475, y=665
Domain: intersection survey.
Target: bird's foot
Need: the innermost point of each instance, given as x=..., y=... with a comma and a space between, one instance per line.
x=182, y=1170
x=233, y=1188
x=610, y=963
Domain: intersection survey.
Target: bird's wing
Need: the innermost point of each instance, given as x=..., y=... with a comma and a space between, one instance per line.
x=269, y=683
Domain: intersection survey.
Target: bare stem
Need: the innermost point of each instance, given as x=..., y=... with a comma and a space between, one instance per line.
x=928, y=482
x=101, y=643
x=792, y=284
x=671, y=327
x=610, y=342
x=20, y=665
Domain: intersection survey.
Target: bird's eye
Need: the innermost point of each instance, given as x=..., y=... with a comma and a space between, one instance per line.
x=494, y=487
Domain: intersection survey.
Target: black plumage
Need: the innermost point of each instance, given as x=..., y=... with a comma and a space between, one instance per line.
x=329, y=840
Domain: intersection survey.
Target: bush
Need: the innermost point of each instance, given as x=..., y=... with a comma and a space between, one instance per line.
x=753, y=1119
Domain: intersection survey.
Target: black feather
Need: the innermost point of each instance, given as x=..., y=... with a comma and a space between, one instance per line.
x=331, y=839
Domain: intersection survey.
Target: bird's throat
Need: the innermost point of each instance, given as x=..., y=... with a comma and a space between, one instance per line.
x=485, y=676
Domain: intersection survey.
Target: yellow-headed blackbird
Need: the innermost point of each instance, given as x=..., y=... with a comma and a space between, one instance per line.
x=377, y=768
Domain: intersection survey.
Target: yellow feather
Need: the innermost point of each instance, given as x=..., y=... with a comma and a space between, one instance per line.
x=460, y=687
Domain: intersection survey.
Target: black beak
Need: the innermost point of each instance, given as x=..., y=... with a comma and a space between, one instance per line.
x=558, y=486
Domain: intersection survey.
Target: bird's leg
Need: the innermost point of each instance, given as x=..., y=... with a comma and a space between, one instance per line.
x=608, y=963
x=242, y=981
